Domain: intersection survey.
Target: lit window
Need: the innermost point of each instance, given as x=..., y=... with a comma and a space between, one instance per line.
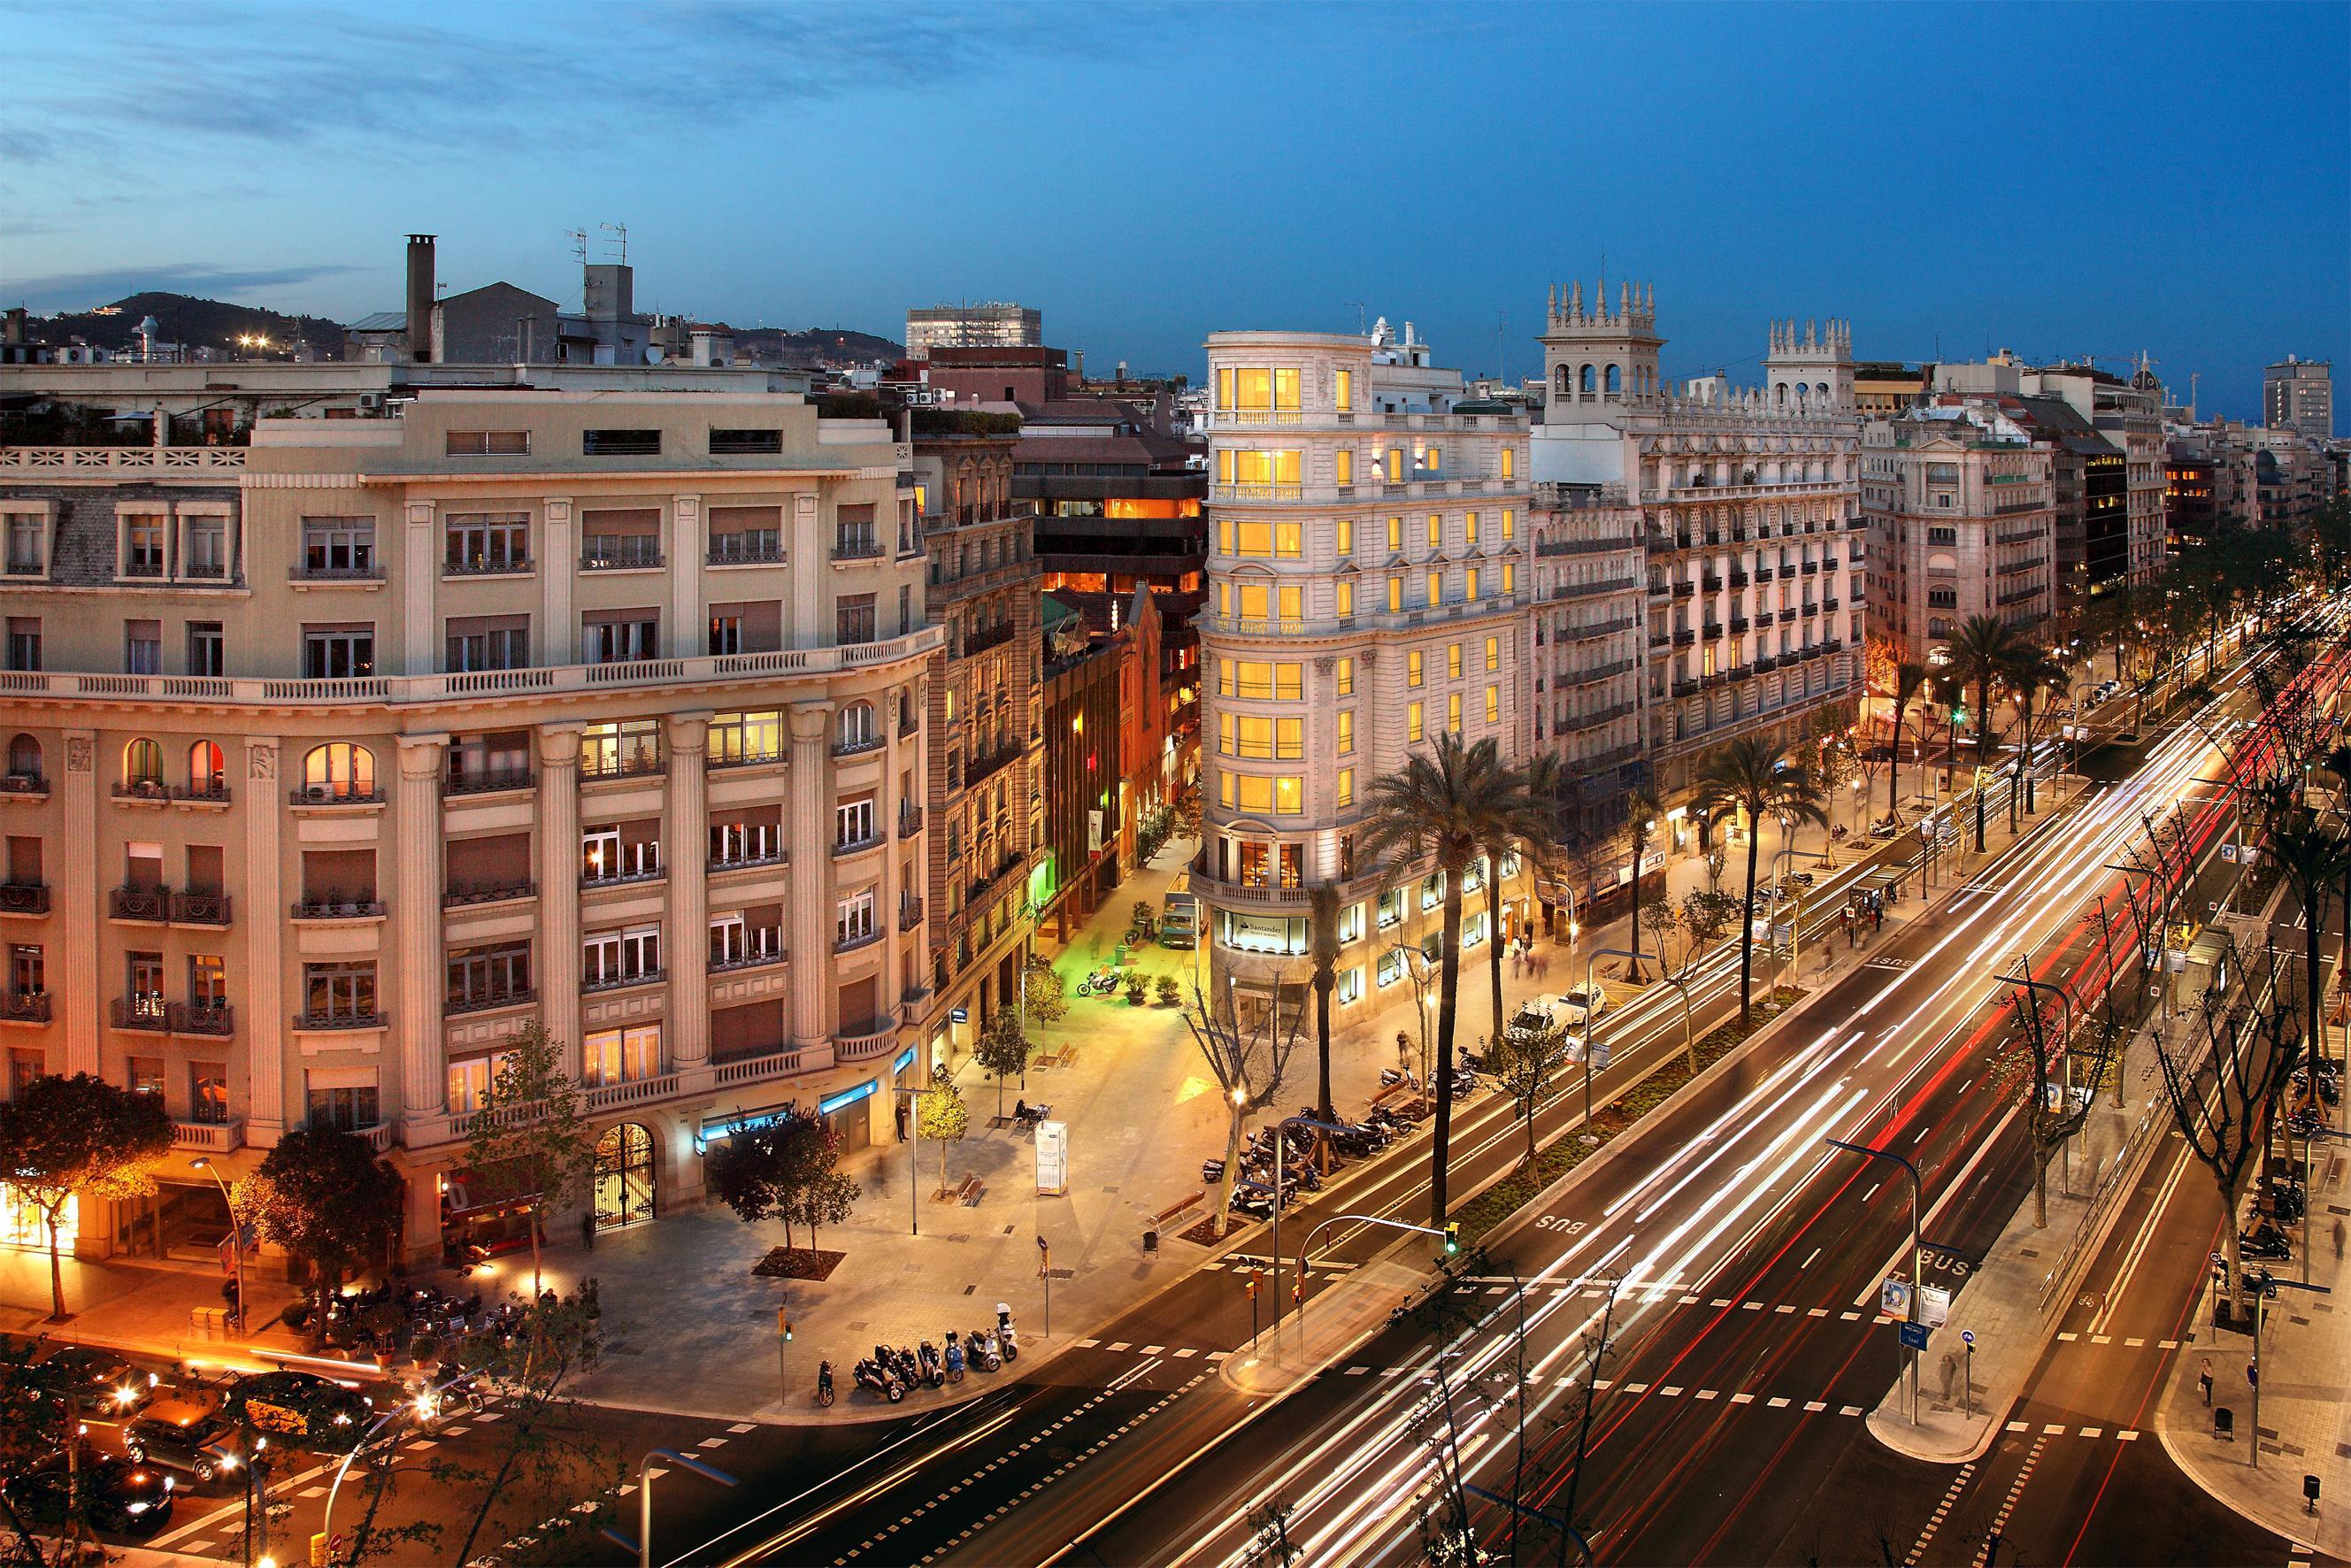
x=1412, y=729
x=1346, y=677
x=1346, y=786
x=1345, y=529
x=1344, y=397
x=1396, y=534
x=1224, y=388
x=1509, y=465
x=1493, y=654
x=1435, y=530
x=1436, y=586
x=1453, y=713
x=1471, y=524
x=1224, y=682
x=1412, y=671
x=1493, y=705
x=1288, y=794
x=1285, y=389
x=1510, y=523
x=1290, y=603
x=1346, y=599
x=1346, y=732
x=1252, y=389
x=1453, y=661
x=1225, y=789
x=1510, y=577
x=1289, y=738
x=1472, y=580
x=1396, y=593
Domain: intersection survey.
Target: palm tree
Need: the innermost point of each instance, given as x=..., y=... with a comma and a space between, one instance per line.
x=2337, y=762
x=1756, y=776
x=1984, y=647
x=1909, y=675
x=1440, y=809
x=2031, y=674
x=1533, y=830
x=1322, y=936
x=1641, y=810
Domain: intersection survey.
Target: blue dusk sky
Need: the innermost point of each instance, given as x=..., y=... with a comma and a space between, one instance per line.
x=2071, y=181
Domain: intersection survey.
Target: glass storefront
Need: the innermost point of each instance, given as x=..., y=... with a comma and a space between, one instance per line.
x=624, y=1176
x=21, y=1224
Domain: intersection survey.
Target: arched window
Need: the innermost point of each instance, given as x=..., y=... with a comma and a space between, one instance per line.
x=24, y=757
x=1590, y=381
x=338, y=771
x=207, y=768
x=1821, y=392
x=1782, y=390
x=1566, y=382
x=1615, y=380
x=856, y=726
x=142, y=764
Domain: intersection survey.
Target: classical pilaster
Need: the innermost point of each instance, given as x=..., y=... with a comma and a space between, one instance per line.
x=419, y=572
x=74, y=973
x=686, y=951
x=558, y=564
x=688, y=617
x=559, y=882
x=812, y=879
x=807, y=612
x=265, y=961
x=416, y=925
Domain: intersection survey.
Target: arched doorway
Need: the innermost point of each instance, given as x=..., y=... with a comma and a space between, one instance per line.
x=624, y=1176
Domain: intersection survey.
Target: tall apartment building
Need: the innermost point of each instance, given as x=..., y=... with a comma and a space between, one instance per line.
x=984, y=789
x=335, y=758
x=1366, y=563
x=2298, y=395
x=1748, y=504
x=1591, y=643
x=996, y=324
x=1962, y=519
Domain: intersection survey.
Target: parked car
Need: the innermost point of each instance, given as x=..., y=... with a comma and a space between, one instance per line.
x=1580, y=1006
x=119, y=1497
x=109, y=1388
x=298, y=1407
x=194, y=1440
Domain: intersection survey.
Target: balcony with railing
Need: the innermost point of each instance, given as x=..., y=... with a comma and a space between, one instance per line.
x=910, y=913
x=25, y=1007
x=987, y=765
x=1594, y=590
x=465, y=896
x=23, y=787
x=843, y=847
x=145, y=1012
x=909, y=820
x=996, y=636
x=763, y=947
x=333, y=798
x=488, y=998
x=223, y=1136
x=864, y=1042
x=488, y=565
x=847, y=745
x=619, y=552
x=201, y=1018
x=335, y=1019
x=760, y=548
x=304, y=572
x=24, y=898
x=850, y=941
x=145, y=906
x=622, y=981
x=596, y=877
x=1552, y=547
x=1593, y=720
x=857, y=546
x=489, y=780
x=194, y=907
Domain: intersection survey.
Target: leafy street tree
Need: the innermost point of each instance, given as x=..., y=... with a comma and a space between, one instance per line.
x=2312, y=855
x=941, y=1116
x=1982, y=652
x=35, y=1418
x=1706, y=914
x=1910, y=677
x=1642, y=813
x=2030, y=674
x=1048, y=997
x=1440, y=809
x=63, y=1134
x=2059, y=1077
x=1002, y=1052
x=323, y=1196
x=1662, y=923
x=1533, y=1052
x=2337, y=762
x=1249, y=1061
x=785, y=1168
x=529, y=1140
x=1752, y=776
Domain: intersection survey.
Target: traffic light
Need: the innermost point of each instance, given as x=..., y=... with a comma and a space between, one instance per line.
x=784, y=1323
x=1252, y=1284
x=1453, y=1239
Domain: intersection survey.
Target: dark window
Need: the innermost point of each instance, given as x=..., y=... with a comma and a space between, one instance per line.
x=24, y=642
x=206, y=648
x=739, y=442
x=620, y=443
x=336, y=652
x=488, y=443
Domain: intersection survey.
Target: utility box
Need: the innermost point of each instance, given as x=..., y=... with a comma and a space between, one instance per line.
x=1052, y=1158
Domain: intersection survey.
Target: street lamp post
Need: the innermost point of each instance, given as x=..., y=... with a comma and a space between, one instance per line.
x=1917, y=1256
x=1591, y=1019
x=914, y=1138
x=235, y=1234
x=644, y=1544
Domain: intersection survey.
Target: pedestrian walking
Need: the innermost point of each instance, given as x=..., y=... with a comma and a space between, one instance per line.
x=1518, y=961
x=588, y=1228
x=1543, y=965
x=1404, y=1049
x=2204, y=1379
x=2338, y=1241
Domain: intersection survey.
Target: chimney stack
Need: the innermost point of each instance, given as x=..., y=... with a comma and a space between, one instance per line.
x=420, y=297
x=14, y=330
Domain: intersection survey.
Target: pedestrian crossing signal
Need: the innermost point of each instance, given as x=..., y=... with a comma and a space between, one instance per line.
x=1453, y=1239
x=784, y=1323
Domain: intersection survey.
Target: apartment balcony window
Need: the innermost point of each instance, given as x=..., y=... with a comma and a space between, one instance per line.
x=620, y=552
x=144, y=1011
x=734, y=846
x=336, y=652
x=609, y=857
x=856, y=543
x=26, y=1007
x=497, y=976
x=204, y=548
x=619, y=636
x=27, y=545
x=856, y=731
x=616, y=750
x=612, y=959
x=748, y=546
x=854, y=619
x=854, y=926
x=746, y=443
x=488, y=544
x=212, y=1017
x=147, y=906
x=341, y=995
x=481, y=764
x=24, y=898
x=142, y=548
x=338, y=549
x=853, y=828
x=736, y=944
x=355, y=1109
x=337, y=773
x=361, y=908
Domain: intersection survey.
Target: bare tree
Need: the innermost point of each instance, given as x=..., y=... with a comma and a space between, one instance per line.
x=1248, y=1062
x=2050, y=1065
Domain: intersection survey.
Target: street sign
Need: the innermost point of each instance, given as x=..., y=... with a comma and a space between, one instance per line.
x=1934, y=1306
x=1600, y=1049
x=1968, y=1337
x=959, y=1015
x=1913, y=1336
x=2228, y=853
x=1893, y=1298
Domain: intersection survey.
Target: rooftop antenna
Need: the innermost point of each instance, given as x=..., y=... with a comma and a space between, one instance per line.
x=1501, y=350
x=578, y=238
x=621, y=238
x=1360, y=305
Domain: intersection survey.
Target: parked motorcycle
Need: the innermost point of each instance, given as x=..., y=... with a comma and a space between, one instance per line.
x=1005, y=1334
x=824, y=1394
x=984, y=1354
x=870, y=1372
x=935, y=1371
x=955, y=1357
x=2269, y=1244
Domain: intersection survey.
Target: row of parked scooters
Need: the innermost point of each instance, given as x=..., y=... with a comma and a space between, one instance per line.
x=895, y=1372
x=1257, y=1191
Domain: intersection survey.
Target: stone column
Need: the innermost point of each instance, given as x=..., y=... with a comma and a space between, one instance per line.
x=419, y=572
x=687, y=950
x=75, y=975
x=264, y=1003
x=808, y=613
x=558, y=883
x=811, y=830
x=416, y=925
x=686, y=549
x=558, y=563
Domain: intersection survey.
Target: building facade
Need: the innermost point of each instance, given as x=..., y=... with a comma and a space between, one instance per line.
x=1749, y=510
x=996, y=324
x=984, y=787
x=2298, y=395
x=1962, y=521
x=1591, y=641
x=337, y=757
x=1366, y=556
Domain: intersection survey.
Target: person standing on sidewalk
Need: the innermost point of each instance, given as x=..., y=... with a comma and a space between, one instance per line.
x=2204, y=1379
x=2338, y=1241
x=588, y=1228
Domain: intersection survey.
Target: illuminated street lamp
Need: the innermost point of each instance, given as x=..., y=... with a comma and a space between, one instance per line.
x=236, y=1238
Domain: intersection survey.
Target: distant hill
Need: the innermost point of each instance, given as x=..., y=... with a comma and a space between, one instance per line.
x=186, y=319
x=819, y=345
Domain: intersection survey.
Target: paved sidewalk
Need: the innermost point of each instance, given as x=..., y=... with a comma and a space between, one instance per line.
x=2009, y=1301
x=2305, y=1416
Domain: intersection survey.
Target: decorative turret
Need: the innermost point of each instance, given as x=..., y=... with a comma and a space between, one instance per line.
x=1810, y=367
x=1601, y=355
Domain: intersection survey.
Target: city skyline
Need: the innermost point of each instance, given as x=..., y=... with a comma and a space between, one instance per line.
x=1843, y=204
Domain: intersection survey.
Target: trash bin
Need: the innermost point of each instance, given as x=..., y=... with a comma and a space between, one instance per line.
x=1151, y=1240
x=2224, y=1421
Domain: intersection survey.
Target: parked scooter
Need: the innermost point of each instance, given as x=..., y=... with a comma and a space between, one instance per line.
x=824, y=1394
x=955, y=1357
x=984, y=1354
x=873, y=1374
x=935, y=1371
x=1007, y=1335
